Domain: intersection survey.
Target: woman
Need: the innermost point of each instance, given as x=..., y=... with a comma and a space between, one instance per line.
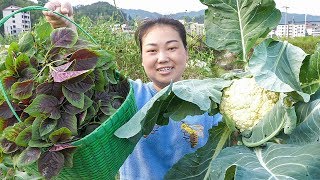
x=163, y=48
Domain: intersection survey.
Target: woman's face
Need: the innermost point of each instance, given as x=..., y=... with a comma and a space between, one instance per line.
x=163, y=55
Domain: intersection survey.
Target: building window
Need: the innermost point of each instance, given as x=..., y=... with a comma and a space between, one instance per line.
x=14, y=31
x=13, y=21
x=14, y=26
x=12, y=10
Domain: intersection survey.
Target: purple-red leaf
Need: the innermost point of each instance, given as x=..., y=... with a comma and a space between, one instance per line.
x=63, y=76
x=105, y=96
x=12, y=132
x=63, y=67
x=22, y=62
x=22, y=90
x=81, y=86
x=29, y=120
x=69, y=121
x=28, y=156
x=4, y=123
x=76, y=99
x=84, y=59
x=39, y=143
x=8, y=82
x=47, y=125
x=5, y=111
x=61, y=135
x=8, y=146
x=28, y=73
x=60, y=147
x=69, y=108
x=50, y=88
x=63, y=37
x=107, y=110
x=50, y=164
x=43, y=106
x=67, y=150
x=82, y=117
x=24, y=137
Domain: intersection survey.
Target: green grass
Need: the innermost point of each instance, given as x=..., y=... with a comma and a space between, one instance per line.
x=307, y=43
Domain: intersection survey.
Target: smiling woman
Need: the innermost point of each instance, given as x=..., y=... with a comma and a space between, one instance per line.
x=164, y=60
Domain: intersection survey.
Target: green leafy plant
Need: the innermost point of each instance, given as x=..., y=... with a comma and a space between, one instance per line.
x=284, y=141
x=58, y=89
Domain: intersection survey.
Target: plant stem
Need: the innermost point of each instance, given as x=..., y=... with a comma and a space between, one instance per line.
x=225, y=136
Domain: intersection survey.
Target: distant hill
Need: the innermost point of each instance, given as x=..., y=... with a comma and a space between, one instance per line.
x=191, y=14
x=99, y=10
x=298, y=18
x=105, y=10
x=140, y=14
x=196, y=16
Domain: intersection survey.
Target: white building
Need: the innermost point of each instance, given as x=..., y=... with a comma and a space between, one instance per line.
x=193, y=27
x=122, y=28
x=18, y=23
x=313, y=28
x=196, y=28
x=297, y=29
x=291, y=30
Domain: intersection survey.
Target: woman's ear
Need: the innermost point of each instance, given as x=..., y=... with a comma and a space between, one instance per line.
x=142, y=63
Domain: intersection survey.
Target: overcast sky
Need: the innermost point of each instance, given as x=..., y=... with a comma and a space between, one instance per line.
x=311, y=7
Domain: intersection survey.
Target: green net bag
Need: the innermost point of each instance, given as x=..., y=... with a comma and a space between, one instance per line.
x=100, y=154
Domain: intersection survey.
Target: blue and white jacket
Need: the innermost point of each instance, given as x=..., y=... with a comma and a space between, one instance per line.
x=155, y=154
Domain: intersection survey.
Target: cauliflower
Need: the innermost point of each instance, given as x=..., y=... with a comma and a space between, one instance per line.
x=246, y=103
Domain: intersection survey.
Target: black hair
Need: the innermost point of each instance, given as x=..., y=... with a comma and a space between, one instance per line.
x=149, y=23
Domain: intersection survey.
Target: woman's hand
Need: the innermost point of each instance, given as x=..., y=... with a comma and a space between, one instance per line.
x=64, y=8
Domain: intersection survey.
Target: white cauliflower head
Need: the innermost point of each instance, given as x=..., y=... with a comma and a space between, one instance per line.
x=246, y=103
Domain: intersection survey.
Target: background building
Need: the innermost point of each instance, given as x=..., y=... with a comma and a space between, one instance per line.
x=18, y=23
x=297, y=29
x=193, y=27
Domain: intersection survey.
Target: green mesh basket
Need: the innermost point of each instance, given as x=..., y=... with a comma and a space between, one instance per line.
x=100, y=154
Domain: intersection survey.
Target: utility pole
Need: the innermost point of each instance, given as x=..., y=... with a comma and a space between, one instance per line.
x=305, y=25
x=286, y=21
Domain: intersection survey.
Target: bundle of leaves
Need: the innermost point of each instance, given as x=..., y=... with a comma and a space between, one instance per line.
x=59, y=88
x=284, y=144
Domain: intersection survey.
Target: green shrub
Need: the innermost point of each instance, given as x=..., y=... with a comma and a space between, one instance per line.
x=305, y=43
